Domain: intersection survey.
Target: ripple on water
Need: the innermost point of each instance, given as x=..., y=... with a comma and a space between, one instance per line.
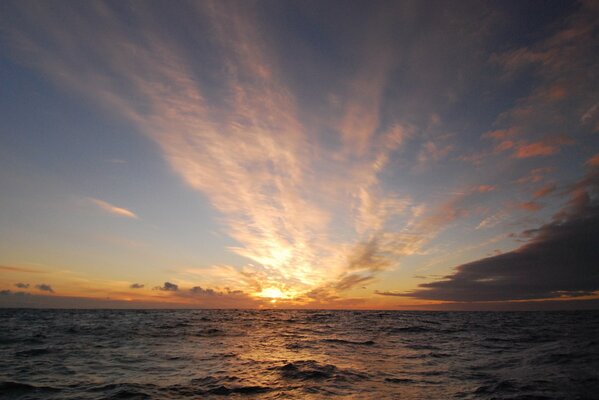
x=284, y=354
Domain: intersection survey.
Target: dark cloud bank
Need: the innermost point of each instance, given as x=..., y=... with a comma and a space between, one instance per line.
x=560, y=260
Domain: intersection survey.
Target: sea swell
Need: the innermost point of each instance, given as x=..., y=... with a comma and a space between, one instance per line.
x=276, y=354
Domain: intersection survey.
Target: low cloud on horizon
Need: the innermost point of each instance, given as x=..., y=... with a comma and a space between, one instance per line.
x=561, y=260
x=44, y=287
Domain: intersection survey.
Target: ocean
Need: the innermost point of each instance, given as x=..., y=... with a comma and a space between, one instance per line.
x=291, y=354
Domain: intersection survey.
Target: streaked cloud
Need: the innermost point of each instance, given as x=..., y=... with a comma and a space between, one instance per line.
x=545, y=190
x=530, y=206
x=110, y=208
x=593, y=161
x=544, y=147
x=535, y=175
x=21, y=269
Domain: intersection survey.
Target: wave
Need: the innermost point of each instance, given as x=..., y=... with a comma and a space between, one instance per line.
x=312, y=370
x=14, y=389
x=350, y=342
x=33, y=352
x=255, y=354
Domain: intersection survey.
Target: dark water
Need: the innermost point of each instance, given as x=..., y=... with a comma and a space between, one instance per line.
x=298, y=354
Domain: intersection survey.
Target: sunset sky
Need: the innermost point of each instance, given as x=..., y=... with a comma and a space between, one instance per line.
x=317, y=154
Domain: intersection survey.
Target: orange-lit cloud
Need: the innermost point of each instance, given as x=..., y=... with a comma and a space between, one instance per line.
x=485, y=188
x=593, y=161
x=535, y=149
x=535, y=175
x=545, y=190
x=112, y=209
x=531, y=206
x=20, y=269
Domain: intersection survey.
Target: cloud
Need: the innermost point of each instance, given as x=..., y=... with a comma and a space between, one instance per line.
x=502, y=134
x=352, y=280
x=123, y=212
x=21, y=285
x=535, y=149
x=588, y=115
x=562, y=91
x=476, y=159
x=20, y=269
x=530, y=206
x=560, y=260
x=432, y=152
x=523, y=149
x=10, y=293
x=44, y=287
x=137, y=286
x=593, y=161
x=198, y=290
x=368, y=256
x=168, y=287
x=221, y=298
x=493, y=220
x=485, y=188
x=201, y=292
x=545, y=147
x=545, y=190
x=535, y=175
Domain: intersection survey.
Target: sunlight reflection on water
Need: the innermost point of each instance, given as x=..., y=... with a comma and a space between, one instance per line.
x=296, y=354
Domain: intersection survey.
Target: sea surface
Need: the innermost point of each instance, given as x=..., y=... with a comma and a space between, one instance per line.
x=280, y=354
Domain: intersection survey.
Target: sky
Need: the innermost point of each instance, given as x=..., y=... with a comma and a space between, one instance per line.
x=299, y=154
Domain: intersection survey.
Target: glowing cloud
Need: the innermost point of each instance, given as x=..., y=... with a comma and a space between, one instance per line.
x=123, y=212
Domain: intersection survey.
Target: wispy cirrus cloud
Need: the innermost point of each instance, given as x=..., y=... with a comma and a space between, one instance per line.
x=21, y=269
x=112, y=209
x=315, y=205
x=256, y=162
x=593, y=161
x=562, y=93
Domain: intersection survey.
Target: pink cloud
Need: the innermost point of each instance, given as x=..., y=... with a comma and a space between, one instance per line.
x=501, y=134
x=545, y=147
x=535, y=149
x=544, y=191
x=593, y=161
x=505, y=145
x=485, y=188
x=536, y=175
x=531, y=206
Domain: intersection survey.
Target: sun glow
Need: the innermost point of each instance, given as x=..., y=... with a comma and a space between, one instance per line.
x=272, y=293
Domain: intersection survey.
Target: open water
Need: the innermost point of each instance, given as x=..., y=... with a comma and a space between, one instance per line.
x=281, y=354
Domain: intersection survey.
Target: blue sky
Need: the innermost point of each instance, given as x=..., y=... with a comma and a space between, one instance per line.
x=299, y=154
